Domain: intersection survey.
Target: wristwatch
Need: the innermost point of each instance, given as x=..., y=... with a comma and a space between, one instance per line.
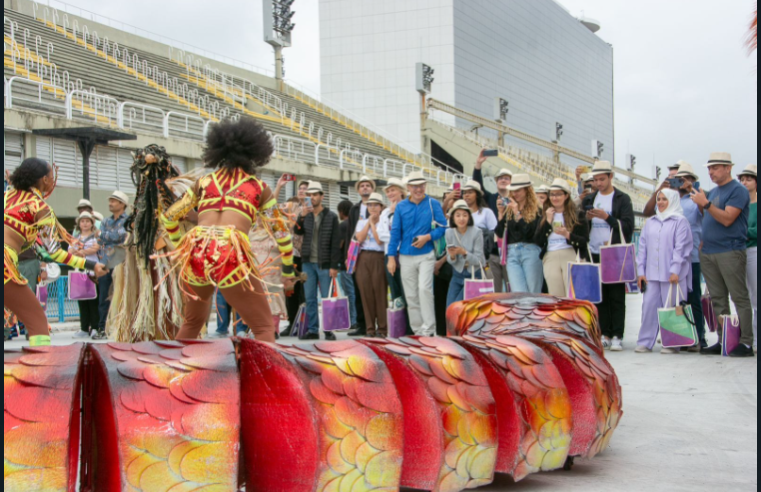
x=709, y=205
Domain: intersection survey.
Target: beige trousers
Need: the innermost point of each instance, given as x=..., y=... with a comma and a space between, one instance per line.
x=556, y=271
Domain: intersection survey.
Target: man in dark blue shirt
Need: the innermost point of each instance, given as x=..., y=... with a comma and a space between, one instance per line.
x=724, y=253
x=419, y=222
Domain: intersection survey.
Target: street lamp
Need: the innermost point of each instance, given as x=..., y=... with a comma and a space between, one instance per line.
x=501, y=110
x=278, y=28
x=558, y=131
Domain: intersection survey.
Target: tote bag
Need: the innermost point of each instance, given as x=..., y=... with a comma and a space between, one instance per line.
x=708, y=313
x=81, y=288
x=301, y=325
x=475, y=288
x=397, y=319
x=730, y=339
x=584, y=281
x=42, y=295
x=618, y=263
x=335, y=311
x=677, y=324
x=353, y=255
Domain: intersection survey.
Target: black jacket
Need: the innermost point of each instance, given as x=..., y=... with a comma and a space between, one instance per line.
x=579, y=237
x=622, y=211
x=330, y=240
x=491, y=200
x=354, y=218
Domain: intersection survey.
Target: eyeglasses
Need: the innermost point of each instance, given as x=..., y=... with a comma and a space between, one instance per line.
x=557, y=195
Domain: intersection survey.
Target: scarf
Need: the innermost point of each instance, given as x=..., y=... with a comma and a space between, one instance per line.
x=675, y=206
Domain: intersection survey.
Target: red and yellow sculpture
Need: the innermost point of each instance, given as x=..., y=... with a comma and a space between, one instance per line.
x=522, y=387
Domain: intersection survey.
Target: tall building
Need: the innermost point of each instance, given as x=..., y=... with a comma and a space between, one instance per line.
x=548, y=65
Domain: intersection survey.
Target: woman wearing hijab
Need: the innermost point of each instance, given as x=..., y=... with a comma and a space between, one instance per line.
x=663, y=263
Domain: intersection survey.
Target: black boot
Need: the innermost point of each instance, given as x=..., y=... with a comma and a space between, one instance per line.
x=715, y=350
x=361, y=331
x=741, y=351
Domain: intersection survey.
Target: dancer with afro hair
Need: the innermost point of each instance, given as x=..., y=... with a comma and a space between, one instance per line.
x=217, y=253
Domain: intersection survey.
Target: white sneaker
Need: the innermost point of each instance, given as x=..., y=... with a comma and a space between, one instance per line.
x=606, y=343
x=669, y=351
x=617, y=345
x=217, y=336
x=642, y=350
x=82, y=334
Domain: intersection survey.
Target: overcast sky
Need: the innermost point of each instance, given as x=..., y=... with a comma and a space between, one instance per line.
x=684, y=84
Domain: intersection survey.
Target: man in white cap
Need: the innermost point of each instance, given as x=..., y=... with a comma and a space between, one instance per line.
x=418, y=223
x=609, y=210
x=504, y=179
x=112, y=252
x=724, y=254
x=321, y=255
x=364, y=187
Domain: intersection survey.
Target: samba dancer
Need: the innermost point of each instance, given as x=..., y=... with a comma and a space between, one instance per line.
x=29, y=221
x=217, y=253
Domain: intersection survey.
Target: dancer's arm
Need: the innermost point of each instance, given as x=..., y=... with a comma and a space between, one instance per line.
x=172, y=217
x=278, y=224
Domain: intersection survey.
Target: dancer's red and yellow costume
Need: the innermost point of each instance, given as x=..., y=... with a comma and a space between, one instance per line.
x=27, y=214
x=221, y=256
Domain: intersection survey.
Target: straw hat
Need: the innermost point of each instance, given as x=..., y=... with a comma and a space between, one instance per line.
x=473, y=186
x=520, y=181
x=85, y=215
x=749, y=171
x=395, y=183
x=315, y=187
x=416, y=179
x=677, y=165
x=376, y=198
x=587, y=178
x=560, y=185
x=543, y=189
x=98, y=216
x=120, y=196
x=365, y=179
x=460, y=205
x=503, y=172
x=686, y=171
x=720, y=159
x=84, y=204
x=602, y=167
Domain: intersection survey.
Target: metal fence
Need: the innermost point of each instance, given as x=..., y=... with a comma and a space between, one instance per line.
x=59, y=308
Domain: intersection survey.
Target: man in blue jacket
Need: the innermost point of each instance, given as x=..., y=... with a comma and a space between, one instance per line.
x=418, y=223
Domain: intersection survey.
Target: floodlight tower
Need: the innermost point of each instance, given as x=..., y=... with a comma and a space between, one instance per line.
x=278, y=27
x=501, y=110
x=424, y=85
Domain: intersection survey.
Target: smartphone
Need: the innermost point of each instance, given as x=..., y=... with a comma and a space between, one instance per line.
x=588, y=189
x=696, y=186
x=289, y=178
x=457, y=186
x=644, y=288
x=491, y=153
x=308, y=202
x=676, y=183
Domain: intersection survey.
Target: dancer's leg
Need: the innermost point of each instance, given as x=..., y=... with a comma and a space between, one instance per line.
x=196, y=312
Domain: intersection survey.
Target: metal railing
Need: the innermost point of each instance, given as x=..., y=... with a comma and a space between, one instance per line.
x=131, y=115
x=59, y=307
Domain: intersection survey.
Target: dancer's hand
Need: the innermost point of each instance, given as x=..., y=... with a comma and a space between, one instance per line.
x=100, y=270
x=289, y=282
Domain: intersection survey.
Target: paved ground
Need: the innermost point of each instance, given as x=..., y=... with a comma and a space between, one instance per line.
x=690, y=425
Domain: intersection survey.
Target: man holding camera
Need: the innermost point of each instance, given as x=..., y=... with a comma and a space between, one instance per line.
x=504, y=179
x=609, y=210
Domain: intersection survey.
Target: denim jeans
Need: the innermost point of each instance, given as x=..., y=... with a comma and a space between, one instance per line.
x=104, y=304
x=224, y=313
x=525, y=269
x=696, y=303
x=347, y=284
x=457, y=286
x=316, y=278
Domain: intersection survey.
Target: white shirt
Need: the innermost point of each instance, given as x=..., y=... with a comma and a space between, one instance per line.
x=384, y=227
x=600, y=229
x=556, y=241
x=363, y=211
x=370, y=243
x=485, y=219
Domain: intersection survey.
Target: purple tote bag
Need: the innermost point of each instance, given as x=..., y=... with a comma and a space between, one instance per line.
x=397, y=322
x=301, y=325
x=731, y=335
x=335, y=312
x=709, y=313
x=475, y=288
x=618, y=263
x=42, y=294
x=81, y=288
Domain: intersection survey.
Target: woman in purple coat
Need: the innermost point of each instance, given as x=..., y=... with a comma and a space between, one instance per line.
x=663, y=262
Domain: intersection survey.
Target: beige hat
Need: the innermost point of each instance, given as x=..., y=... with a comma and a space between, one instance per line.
x=416, y=179
x=560, y=185
x=503, y=172
x=686, y=171
x=365, y=179
x=677, y=165
x=602, y=167
x=85, y=215
x=587, y=178
x=750, y=170
x=520, y=181
x=473, y=186
x=395, y=183
x=120, y=196
x=98, y=216
x=460, y=205
x=543, y=189
x=315, y=187
x=84, y=203
x=376, y=198
x=720, y=159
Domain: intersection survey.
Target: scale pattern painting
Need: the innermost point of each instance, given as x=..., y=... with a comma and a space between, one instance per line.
x=520, y=387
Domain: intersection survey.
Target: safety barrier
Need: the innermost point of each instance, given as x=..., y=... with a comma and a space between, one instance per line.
x=59, y=308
